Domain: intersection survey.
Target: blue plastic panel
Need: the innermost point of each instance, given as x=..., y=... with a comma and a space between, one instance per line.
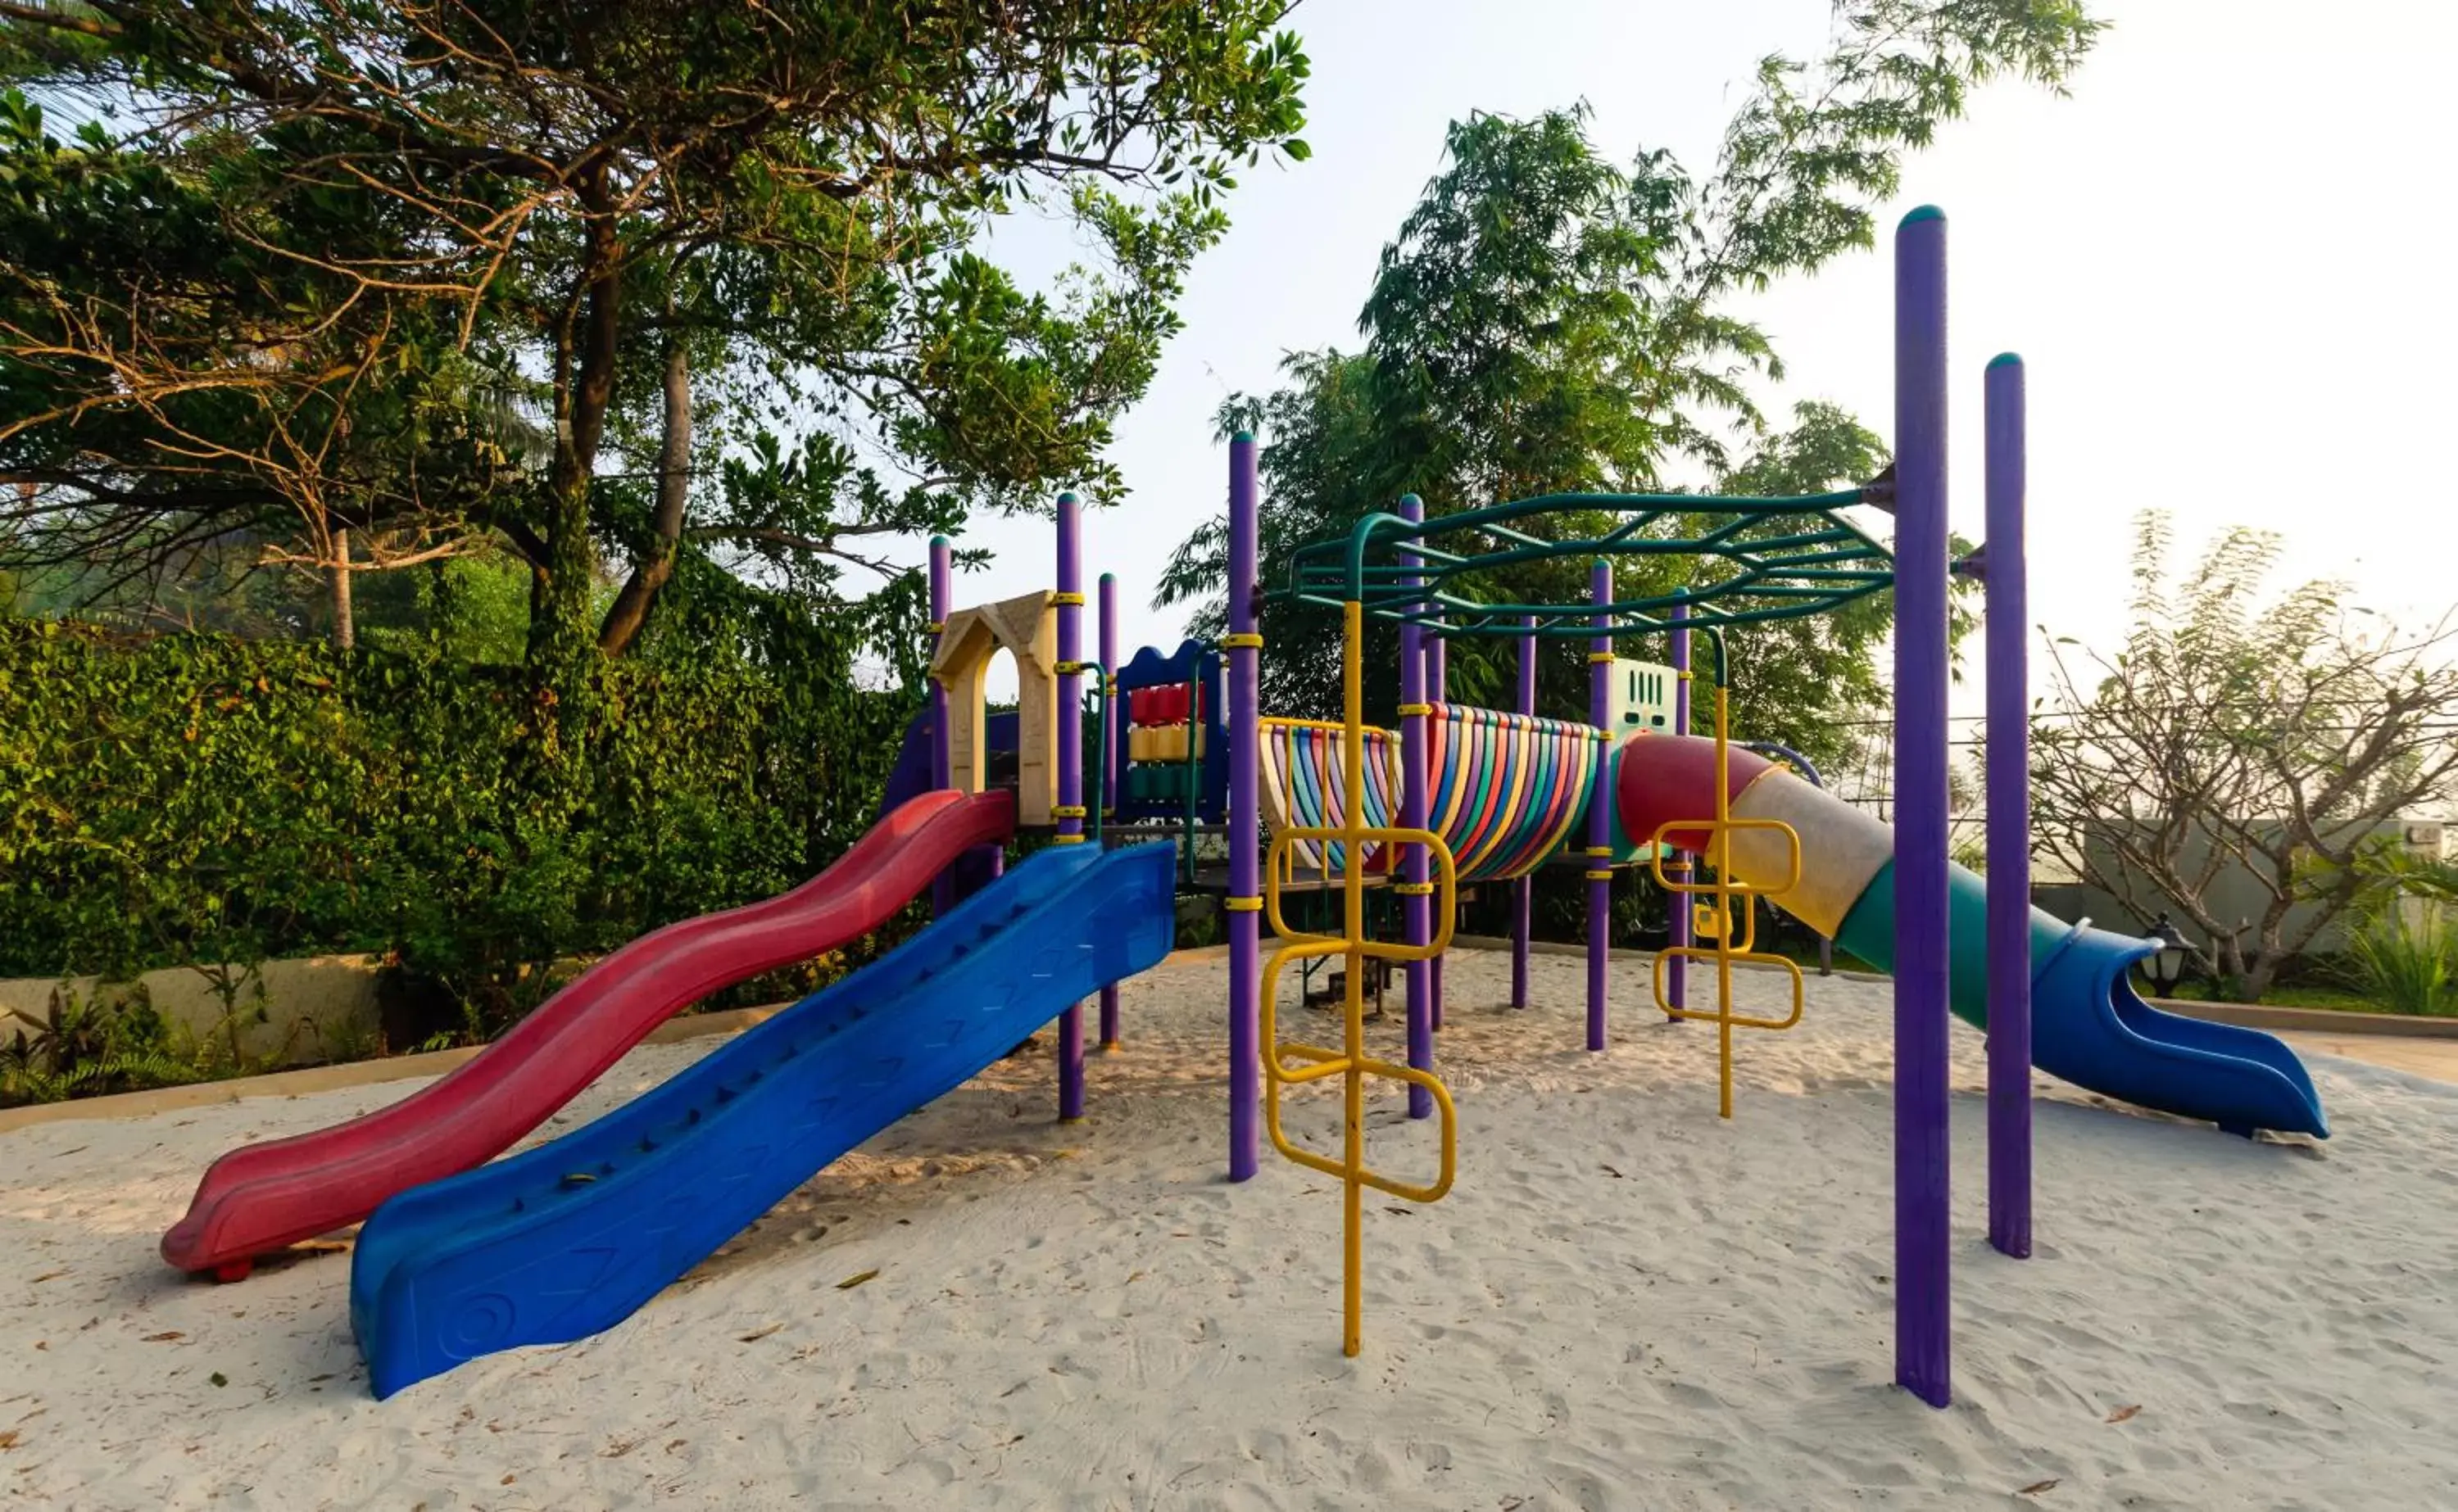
x=570, y=1239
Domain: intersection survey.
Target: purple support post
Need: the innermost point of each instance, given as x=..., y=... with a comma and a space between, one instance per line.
x=1522, y=892
x=2008, y=797
x=1109, y=675
x=943, y=887
x=1600, y=593
x=1677, y=866
x=1416, y=865
x=1245, y=830
x=1924, y=1281
x=1069, y=756
x=1438, y=659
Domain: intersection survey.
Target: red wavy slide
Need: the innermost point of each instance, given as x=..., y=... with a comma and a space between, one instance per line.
x=261, y=1197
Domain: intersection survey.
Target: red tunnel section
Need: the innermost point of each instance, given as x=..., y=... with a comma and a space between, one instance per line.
x=1667, y=777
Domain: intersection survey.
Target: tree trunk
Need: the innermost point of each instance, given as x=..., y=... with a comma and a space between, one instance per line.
x=345, y=627
x=649, y=574
x=2243, y=973
x=2270, y=947
x=562, y=653
x=560, y=644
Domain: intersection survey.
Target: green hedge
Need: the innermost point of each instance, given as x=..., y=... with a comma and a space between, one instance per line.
x=175, y=799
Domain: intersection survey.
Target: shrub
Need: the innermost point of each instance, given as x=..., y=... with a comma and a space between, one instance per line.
x=176, y=799
x=2406, y=960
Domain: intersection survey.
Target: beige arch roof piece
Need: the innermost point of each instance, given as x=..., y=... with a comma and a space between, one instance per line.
x=1027, y=627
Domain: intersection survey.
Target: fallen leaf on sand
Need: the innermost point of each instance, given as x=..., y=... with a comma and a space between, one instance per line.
x=49, y=1275
x=8, y=1440
x=1402, y=1211
x=2123, y=1414
x=1134, y=1276
x=1615, y=1174
x=2036, y=1487
x=758, y=1333
x=507, y=1479
x=165, y=1336
x=852, y=1281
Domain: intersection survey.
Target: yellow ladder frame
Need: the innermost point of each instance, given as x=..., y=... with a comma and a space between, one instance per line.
x=1350, y=1063
x=1727, y=952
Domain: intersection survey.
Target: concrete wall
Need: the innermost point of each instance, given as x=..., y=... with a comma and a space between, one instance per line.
x=2233, y=893
x=314, y=1007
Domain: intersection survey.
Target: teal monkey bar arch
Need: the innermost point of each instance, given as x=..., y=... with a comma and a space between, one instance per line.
x=1390, y=563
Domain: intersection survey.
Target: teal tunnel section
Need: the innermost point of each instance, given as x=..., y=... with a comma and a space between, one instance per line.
x=570, y=1239
x=2089, y=1025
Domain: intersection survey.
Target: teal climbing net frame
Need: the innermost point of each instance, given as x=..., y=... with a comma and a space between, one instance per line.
x=1814, y=562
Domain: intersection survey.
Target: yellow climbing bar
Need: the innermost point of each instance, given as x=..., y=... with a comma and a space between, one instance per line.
x=1272, y=719
x=1295, y=1064
x=1276, y=863
x=1726, y=913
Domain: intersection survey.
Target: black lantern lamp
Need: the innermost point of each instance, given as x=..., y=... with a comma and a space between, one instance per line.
x=2165, y=967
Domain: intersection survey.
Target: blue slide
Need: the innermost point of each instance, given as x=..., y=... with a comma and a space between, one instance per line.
x=2090, y=1028
x=570, y=1239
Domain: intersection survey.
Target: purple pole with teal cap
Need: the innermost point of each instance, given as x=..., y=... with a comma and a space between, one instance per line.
x=1416, y=866
x=1071, y=769
x=1677, y=866
x=2009, y=797
x=943, y=887
x=1522, y=892
x=1116, y=731
x=1244, y=816
x=1924, y=1278
x=1600, y=592
x=1438, y=659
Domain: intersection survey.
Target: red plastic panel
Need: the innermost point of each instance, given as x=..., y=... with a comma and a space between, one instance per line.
x=261, y=1197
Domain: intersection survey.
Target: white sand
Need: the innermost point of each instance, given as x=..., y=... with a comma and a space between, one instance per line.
x=1625, y=1303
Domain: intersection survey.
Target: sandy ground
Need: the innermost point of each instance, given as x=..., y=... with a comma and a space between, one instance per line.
x=2434, y=1058
x=1625, y=1303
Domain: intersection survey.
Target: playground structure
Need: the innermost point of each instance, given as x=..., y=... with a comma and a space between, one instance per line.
x=2050, y=994
x=459, y=1259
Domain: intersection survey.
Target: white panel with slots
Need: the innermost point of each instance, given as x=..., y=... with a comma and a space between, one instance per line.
x=1640, y=697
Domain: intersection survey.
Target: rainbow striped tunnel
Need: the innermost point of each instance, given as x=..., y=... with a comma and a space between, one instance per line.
x=1505, y=790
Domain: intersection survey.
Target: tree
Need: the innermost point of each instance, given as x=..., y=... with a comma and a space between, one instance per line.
x=1546, y=321
x=172, y=391
x=325, y=238
x=2233, y=737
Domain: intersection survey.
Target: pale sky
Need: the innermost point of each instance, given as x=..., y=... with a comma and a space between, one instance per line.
x=2220, y=257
